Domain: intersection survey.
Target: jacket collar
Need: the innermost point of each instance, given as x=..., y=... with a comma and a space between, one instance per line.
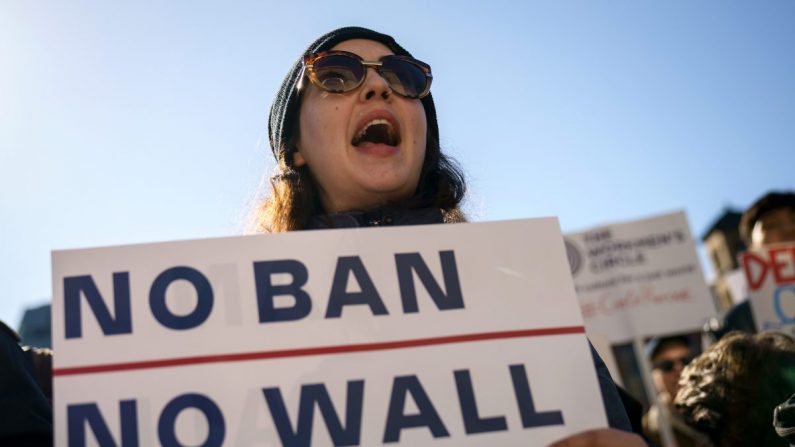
x=385, y=216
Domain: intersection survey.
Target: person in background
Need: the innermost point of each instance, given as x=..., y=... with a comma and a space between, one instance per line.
x=770, y=220
x=668, y=357
x=729, y=392
x=353, y=129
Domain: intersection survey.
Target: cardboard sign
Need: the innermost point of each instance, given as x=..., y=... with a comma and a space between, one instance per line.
x=639, y=279
x=770, y=274
x=443, y=334
x=737, y=285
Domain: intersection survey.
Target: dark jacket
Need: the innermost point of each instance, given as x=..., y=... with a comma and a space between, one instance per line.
x=25, y=412
x=616, y=415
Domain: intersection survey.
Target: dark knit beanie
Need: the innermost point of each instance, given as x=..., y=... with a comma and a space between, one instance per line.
x=283, y=121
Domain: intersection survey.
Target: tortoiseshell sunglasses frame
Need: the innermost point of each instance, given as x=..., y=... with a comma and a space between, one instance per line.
x=309, y=69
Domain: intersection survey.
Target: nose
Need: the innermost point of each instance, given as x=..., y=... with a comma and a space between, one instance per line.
x=374, y=86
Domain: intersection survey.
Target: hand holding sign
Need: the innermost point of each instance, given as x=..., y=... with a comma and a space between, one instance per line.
x=607, y=437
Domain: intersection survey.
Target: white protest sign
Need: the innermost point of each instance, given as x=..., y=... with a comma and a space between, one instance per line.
x=639, y=279
x=770, y=274
x=737, y=285
x=465, y=334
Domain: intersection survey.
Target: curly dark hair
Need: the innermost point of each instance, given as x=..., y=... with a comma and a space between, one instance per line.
x=729, y=392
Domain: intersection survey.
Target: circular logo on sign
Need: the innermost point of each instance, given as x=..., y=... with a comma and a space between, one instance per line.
x=574, y=255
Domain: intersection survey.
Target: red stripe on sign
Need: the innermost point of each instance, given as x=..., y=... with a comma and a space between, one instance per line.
x=363, y=347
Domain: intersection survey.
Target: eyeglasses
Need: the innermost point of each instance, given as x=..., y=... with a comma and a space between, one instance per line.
x=342, y=72
x=669, y=365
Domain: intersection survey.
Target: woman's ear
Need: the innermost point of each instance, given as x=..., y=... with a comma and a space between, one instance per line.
x=298, y=158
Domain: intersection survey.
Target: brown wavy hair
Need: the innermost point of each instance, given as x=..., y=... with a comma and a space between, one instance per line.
x=729, y=392
x=293, y=200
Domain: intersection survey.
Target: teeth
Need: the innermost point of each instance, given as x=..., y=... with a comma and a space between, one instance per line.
x=374, y=122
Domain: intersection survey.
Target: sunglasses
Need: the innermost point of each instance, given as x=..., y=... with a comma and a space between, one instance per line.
x=342, y=72
x=669, y=365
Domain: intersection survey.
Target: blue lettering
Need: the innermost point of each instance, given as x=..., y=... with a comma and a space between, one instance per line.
x=79, y=414
x=84, y=285
x=412, y=262
x=266, y=291
x=524, y=398
x=317, y=394
x=396, y=421
x=339, y=296
x=204, y=302
x=215, y=420
x=473, y=423
x=786, y=319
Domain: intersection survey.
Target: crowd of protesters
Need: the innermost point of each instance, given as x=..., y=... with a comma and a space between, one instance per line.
x=356, y=140
x=740, y=390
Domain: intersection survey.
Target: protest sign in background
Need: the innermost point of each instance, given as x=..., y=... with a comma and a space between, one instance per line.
x=448, y=334
x=639, y=279
x=770, y=275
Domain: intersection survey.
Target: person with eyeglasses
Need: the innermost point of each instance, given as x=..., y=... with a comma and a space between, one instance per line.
x=354, y=132
x=668, y=357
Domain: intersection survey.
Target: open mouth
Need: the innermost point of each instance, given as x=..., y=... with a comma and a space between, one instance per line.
x=377, y=131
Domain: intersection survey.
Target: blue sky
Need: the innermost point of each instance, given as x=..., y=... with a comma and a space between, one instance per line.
x=146, y=121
